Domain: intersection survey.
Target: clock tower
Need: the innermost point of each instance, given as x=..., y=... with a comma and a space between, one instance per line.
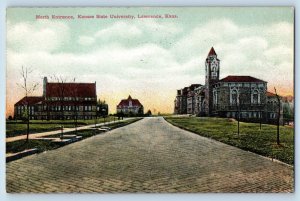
x=212, y=72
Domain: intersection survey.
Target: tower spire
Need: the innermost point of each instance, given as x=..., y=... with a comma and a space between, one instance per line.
x=212, y=52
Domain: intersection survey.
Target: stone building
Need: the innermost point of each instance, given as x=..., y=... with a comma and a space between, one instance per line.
x=190, y=98
x=60, y=101
x=227, y=97
x=130, y=107
x=181, y=101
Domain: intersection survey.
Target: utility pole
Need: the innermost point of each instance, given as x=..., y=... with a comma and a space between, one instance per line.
x=278, y=116
x=260, y=119
x=238, y=111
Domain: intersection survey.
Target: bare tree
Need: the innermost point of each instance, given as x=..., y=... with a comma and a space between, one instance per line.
x=278, y=116
x=61, y=92
x=28, y=89
x=61, y=81
x=74, y=93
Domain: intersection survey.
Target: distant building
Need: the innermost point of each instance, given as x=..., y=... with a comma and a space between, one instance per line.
x=35, y=104
x=130, y=106
x=227, y=97
x=60, y=101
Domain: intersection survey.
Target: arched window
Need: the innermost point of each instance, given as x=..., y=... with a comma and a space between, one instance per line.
x=255, y=97
x=215, y=96
x=234, y=97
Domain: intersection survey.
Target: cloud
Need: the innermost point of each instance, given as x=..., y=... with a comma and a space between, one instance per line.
x=141, y=70
x=86, y=40
x=278, y=53
x=37, y=36
x=163, y=56
x=133, y=33
x=120, y=30
x=260, y=51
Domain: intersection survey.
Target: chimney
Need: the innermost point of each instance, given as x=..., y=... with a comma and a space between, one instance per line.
x=44, y=86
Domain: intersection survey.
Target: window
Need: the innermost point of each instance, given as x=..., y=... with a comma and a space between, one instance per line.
x=215, y=95
x=255, y=98
x=234, y=97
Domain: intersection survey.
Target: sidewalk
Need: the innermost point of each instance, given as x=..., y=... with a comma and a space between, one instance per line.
x=66, y=130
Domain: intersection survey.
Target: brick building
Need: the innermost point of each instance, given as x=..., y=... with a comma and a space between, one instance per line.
x=227, y=97
x=130, y=107
x=60, y=101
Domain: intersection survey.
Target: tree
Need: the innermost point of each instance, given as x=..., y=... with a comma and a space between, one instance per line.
x=141, y=111
x=28, y=89
x=149, y=113
x=63, y=86
x=61, y=81
x=75, y=107
x=102, y=110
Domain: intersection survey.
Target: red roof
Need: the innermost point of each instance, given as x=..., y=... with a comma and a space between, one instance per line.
x=233, y=78
x=270, y=94
x=71, y=90
x=78, y=103
x=30, y=99
x=212, y=52
x=125, y=102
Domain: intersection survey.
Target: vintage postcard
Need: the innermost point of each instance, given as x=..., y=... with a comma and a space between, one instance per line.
x=150, y=99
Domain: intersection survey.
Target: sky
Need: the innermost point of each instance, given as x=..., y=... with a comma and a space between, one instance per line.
x=149, y=59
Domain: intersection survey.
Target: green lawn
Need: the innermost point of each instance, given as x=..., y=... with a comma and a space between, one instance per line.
x=21, y=145
x=251, y=138
x=36, y=126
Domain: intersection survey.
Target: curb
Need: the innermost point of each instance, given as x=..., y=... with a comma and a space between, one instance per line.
x=21, y=154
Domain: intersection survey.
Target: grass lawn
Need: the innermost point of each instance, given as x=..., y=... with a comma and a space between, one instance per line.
x=21, y=145
x=251, y=138
x=19, y=128
x=43, y=145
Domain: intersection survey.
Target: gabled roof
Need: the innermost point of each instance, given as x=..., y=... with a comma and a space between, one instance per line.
x=234, y=78
x=195, y=86
x=71, y=89
x=211, y=52
x=32, y=100
x=125, y=102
